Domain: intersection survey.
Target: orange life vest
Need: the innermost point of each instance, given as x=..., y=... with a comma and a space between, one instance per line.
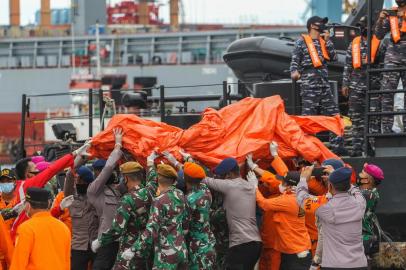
x=356, y=50
x=394, y=26
x=314, y=55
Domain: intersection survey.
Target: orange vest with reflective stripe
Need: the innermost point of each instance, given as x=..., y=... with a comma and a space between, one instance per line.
x=314, y=55
x=356, y=50
x=394, y=26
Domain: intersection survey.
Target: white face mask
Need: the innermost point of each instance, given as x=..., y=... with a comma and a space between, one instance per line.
x=282, y=188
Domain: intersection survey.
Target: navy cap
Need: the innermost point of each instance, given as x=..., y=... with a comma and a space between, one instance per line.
x=226, y=166
x=35, y=194
x=340, y=175
x=85, y=174
x=99, y=164
x=335, y=163
x=316, y=19
x=292, y=178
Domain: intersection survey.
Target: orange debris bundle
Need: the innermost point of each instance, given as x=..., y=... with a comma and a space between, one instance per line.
x=247, y=126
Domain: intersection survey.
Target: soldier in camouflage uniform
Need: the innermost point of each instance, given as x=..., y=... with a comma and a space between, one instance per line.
x=370, y=177
x=395, y=56
x=200, y=239
x=355, y=85
x=165, y=229
x=132, y=214
x=311, y=68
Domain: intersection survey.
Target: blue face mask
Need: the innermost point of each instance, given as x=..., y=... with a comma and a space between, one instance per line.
x=7, y=187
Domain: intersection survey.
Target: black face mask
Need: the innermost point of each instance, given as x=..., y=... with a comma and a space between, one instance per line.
x=401, y=3
x=364, y=31
x=81, y=189
x=321, y=28
x=122, y=187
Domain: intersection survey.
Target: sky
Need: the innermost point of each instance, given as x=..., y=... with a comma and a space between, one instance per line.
x=196, y=11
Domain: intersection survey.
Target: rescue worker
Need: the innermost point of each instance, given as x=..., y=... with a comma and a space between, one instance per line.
x=310, y=56
x=104, y=195
x=43, y=242
x=132, y=214
x=292, y=239
x=60, y=209
x=239, y=202
x=395, y=56
x=6, y=245
x=7, y=200
x=83, y=216
x=309, y=63
x=368, y=181
x=200, y=239
x=341, y=221
x=16, y=189
x=165, y=230
x=355, y=84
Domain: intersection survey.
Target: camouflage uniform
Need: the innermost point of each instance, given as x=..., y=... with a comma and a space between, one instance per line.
x=201, y=239
x=368, y=222
x=356, y=81
x=315, y=89
x=165, y=231
x=130, y=220
x=395, y=56
x=219, y=227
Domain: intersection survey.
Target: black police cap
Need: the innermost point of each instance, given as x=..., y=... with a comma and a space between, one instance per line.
x=35, y=194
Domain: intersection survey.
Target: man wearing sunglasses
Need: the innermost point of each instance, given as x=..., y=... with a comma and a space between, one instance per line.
x=15, y=189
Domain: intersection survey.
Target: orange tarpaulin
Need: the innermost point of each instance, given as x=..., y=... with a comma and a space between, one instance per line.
x=234, y=131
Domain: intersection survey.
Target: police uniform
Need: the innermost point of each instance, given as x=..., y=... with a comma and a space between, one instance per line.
x=395, y=56
x=131, y=218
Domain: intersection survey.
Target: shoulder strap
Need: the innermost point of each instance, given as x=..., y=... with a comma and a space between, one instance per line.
x=356, y=52
x=312, y=51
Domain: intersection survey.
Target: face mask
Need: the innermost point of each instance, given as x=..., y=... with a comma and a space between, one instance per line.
x=321, y=28
x=401, y=3
x=282, y=188
x=364, y=32
x=122, y=187
x=7, y=187
x=81, y=189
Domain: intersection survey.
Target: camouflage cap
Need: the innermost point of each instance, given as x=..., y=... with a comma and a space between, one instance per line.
x=131, y=167
x=167, y=171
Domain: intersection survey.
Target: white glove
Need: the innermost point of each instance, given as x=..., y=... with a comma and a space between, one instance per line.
x=273, y=146
x=82, y=151
x=170, y=158
x=251, y=177
x=250, y=163
x=95, y=245
x=128, y=254
x=66, y=202
x=186, y=156
x=118, y=136
x=19, y=207
x=314, y=267
x=151, y=158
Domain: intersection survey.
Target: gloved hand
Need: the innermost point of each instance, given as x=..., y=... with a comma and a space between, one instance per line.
x=118, y=136
x=95, y=245
x=251, y=177
x=186, y=156
x=273, y=147
x=151, y=158
x=82, y=151
x=18, y=208
x=314, y=266
x=66, y=202
x=250, y=162
x=128, y=254
x=170, y=158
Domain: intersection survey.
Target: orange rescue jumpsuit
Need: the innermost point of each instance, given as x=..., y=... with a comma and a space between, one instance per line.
x=6, y=245
x=42, y=243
